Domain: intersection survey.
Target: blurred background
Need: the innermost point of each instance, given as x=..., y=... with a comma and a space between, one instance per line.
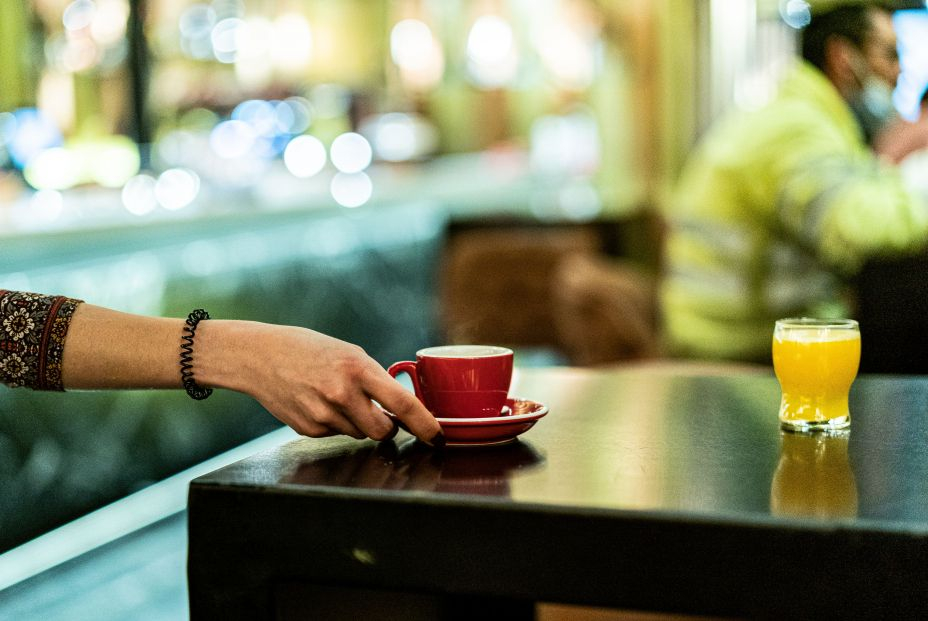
x=396, y=173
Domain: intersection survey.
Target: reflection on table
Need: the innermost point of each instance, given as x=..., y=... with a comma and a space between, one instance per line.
x=814, y=477
x=411, y=465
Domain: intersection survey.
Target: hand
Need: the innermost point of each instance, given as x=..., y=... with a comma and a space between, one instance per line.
x=318, y=385
x=902, y=138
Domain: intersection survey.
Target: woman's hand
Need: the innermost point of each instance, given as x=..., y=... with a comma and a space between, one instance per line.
x=316, y=384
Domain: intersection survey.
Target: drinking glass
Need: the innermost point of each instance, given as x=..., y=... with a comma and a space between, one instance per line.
x=816, y=361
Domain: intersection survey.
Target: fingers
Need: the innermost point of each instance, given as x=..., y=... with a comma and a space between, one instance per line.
x=409, y=410
x=344, y=411
x=330, y=421
x=315, y=417
x=342, y=424
x=369, y=418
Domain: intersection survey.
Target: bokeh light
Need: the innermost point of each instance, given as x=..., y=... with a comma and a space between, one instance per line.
x=176, y=188
x=491, y=52
x=80, y=54
x=254, y=38
x=796, y=13
x=138, y=195
x=53, y=169
x=411, y=42
x=272, y=124
x=351, y=189
x=396, y=138
x=305, y=156
x=295, y=113
x=253, y=41
x=490, y=40
x=351, y=153
x=79, y=15
x=566, y=144
x=196, y=27
x=225, y=39
x=417, y=53
x=259, y=114
x=29, y=133
x=292, y=46
x=231, y=139
x=109, y=23
x=400, y=137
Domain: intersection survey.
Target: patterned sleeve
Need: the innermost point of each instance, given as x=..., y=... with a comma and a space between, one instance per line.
x=33, y=328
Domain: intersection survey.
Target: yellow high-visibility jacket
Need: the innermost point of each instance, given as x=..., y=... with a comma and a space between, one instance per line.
x=774, y=210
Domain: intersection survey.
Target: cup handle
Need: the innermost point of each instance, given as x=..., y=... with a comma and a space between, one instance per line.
x=409, y=368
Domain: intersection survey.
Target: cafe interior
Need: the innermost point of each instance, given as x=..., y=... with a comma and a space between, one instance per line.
x=393, y=173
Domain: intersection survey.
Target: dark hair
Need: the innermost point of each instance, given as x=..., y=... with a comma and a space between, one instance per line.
x=851, y=22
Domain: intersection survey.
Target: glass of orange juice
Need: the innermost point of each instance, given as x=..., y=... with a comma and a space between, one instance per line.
x=816, y=361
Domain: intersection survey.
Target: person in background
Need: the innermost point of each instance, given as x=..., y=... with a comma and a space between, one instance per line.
x=778, y=207
x=316, y=384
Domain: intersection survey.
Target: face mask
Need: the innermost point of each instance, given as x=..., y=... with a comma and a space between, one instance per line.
x=873, y=104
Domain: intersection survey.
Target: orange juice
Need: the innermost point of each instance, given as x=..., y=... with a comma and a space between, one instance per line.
x=816, y=363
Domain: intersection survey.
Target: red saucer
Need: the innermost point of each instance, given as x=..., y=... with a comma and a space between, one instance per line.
x=518, y=416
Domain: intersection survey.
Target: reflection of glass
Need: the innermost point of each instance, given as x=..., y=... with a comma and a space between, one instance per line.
x=816, y=362
x=814, y=477
x=411, y=465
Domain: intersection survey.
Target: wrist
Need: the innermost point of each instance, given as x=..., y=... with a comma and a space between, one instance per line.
x=223, y=354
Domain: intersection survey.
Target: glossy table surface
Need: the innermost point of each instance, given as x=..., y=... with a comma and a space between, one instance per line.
x=637, y=477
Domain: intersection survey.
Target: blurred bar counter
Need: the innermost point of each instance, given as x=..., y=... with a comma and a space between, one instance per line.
x=489, y=184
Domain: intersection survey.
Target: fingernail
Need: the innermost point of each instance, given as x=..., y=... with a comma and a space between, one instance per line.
x=392, y=434
x=438, y=440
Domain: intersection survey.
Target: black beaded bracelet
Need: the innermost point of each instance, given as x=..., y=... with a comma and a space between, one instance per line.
x=186, y=356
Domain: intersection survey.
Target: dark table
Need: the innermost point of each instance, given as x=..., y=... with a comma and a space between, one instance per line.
x=660, y=487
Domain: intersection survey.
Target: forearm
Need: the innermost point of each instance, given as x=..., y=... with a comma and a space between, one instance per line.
x=110, y=349
x=55, y=343
x=851, y=211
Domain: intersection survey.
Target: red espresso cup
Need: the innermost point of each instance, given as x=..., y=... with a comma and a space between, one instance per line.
x=460, y=381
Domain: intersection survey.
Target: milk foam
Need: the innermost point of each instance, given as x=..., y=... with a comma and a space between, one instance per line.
x=463, y=351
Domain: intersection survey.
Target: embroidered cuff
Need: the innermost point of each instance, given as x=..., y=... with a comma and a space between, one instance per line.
x=33, y=328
